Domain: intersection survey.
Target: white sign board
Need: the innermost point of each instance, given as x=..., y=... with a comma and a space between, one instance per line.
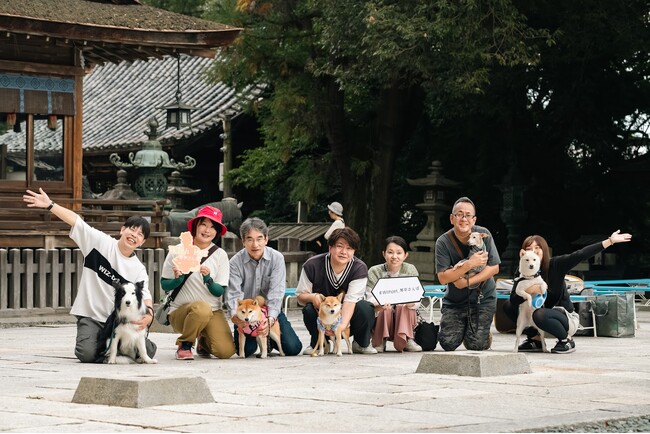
x=398, y=290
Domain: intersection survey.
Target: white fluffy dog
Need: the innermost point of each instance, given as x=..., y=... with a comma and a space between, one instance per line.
x=529, y=283
x=127, y=339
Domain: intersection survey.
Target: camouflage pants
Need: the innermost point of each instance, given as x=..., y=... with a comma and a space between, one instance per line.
x=469, y=326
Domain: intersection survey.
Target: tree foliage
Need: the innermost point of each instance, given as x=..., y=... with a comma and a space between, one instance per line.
x=347, y=87
x=551, y=96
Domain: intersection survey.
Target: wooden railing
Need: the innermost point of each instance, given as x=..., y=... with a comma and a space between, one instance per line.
x=44, y=282
x=22, y=227
x=38, y=282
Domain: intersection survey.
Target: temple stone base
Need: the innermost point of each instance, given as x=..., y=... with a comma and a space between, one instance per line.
x=474, y=364
x=139, y=392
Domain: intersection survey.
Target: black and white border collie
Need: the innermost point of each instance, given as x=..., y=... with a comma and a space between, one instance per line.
x=127, y=339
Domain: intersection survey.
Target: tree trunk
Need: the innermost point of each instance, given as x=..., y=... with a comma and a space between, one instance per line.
x=366, y=168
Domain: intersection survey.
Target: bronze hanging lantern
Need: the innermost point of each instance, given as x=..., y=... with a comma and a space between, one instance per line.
x=178, y=114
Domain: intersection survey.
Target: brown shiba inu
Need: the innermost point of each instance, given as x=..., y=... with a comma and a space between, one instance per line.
x=254, y=313
x=329, y=318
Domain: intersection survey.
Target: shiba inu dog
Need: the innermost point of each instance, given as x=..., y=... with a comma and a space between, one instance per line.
x=254, y=314
x=127, y=340
x=329, y=318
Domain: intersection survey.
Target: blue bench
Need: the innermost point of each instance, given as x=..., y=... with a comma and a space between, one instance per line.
x=288, y=294
x=637, y=286
x=435, y=294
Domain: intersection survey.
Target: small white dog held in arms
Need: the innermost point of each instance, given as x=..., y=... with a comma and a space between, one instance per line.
x=127, y=339
x=529, y=284
x=476, y=244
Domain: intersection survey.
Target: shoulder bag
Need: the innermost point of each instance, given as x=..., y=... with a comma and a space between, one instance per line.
x=163, y=310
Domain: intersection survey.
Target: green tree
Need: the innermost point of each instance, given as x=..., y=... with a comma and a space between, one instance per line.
x=571, y=123
x=348, y=85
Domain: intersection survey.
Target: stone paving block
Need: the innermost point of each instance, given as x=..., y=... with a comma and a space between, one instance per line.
x=474, y=364
x=139, y=392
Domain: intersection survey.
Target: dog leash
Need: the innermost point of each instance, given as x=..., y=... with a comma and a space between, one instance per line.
x=479, y=293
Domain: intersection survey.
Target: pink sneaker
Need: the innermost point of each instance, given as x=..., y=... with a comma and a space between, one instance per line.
x=182, y=354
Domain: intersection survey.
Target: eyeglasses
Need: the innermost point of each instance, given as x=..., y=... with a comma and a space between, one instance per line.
x=251, y=240
x=460, y=215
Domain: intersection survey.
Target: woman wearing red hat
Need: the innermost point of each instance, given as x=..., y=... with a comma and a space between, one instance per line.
x=196, y=311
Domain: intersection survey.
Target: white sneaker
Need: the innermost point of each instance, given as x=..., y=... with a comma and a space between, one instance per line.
x=307, y=351
x=381, y=348
x=358, y=349
x=412, y=346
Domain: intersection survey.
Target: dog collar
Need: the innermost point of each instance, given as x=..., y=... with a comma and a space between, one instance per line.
x=520, y=277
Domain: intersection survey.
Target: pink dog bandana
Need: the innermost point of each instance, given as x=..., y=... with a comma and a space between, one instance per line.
x=252, y=328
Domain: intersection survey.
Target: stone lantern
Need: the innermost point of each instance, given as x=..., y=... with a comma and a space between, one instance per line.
x=152, y=164
x=435, y=206
x=177, y=191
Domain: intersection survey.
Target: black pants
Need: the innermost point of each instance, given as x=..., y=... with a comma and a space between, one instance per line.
x=552, y=321
x=361, y=322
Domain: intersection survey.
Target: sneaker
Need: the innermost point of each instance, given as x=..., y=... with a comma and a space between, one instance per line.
x=412, y=346
x=380, y=348
x=307, y=351
x=184, y=351
x=564, y=346
x=201, y=350
x=530, y=346
x=182, y=354
x=358, y=349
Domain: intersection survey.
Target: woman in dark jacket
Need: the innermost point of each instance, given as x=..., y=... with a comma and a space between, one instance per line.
x=554, y=317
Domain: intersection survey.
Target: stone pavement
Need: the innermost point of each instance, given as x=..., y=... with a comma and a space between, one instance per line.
x=604, y=379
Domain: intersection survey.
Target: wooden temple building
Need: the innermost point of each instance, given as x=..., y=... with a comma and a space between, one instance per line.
x=46, y=50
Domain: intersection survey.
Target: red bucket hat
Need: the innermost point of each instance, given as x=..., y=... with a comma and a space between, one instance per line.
x=213, y=214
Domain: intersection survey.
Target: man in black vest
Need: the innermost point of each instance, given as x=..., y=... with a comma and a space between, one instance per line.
x=331, y=273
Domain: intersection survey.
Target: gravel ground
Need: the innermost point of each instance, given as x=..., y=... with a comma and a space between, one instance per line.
x=629, y=424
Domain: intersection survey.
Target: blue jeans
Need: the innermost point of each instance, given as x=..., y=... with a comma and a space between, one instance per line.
x=361, y=323
x=291, y=344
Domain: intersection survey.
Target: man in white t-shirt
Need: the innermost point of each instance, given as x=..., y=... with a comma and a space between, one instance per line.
x=105, y=260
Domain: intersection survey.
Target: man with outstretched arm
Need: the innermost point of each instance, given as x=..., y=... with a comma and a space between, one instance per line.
x=105, y=260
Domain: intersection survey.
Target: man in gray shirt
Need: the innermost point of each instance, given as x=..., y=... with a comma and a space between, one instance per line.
x=260, y=270
x=470, y=298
